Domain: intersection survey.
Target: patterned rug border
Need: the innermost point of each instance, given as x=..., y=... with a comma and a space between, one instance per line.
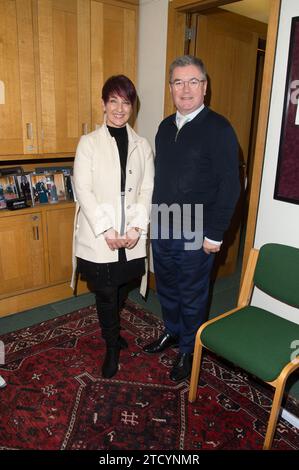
x=58, y=334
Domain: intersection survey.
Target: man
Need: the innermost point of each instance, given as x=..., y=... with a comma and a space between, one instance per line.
x=197, y=167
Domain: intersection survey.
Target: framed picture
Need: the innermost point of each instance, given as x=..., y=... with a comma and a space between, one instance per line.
x=8, y=190
x=48, y=188
x=24, y=187
x=287, y=175
x=69, y=187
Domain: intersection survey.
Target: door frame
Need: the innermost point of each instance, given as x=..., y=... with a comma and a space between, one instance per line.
x=178, y=11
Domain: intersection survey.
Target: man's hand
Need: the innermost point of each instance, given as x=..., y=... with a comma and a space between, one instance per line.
x=114, y=240
x=209, y=247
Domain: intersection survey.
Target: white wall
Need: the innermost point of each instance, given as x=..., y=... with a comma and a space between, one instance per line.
x=151, y=65
x=153, y=16
x=277, y=221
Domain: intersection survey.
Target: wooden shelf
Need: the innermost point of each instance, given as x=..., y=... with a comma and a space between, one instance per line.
x=37, y=208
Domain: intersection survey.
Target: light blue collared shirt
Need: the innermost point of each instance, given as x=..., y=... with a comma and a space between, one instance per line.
x=188, y=117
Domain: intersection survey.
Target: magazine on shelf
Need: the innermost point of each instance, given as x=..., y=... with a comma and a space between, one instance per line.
x=48, y=188
x=8, y=190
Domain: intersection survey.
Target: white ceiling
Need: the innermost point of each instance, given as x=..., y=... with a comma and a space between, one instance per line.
x=255, y=9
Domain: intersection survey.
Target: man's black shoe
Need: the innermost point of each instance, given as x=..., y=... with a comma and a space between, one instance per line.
x=162, y=343
x=182, y=367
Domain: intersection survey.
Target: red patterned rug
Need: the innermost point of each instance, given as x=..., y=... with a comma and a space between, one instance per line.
x=57, y=399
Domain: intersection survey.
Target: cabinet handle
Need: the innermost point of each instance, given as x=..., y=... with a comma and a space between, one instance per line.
x=29, y=130
x=35, y=233
x=84, y=128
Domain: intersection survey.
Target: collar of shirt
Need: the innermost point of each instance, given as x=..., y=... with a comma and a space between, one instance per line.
x=188, y=117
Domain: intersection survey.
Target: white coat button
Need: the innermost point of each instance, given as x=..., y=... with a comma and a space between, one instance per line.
x=130, y=189
x=130, y=172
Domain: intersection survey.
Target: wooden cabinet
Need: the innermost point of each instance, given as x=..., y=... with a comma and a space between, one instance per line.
x=18, y=131
x=63, y=36
x=60, y=234
x=36, y=256
x=54, y=58
x=22, y=261
x=113, y=47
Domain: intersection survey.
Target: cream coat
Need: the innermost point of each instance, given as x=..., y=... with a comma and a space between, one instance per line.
x=97, y=179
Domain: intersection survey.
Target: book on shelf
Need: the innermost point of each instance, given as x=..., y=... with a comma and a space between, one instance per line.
x=8, y=190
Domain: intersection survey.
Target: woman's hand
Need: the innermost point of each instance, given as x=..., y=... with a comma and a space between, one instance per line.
x=131, y=237
x=114, y=240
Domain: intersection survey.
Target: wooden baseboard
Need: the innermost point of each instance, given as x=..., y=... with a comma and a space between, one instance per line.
x=38, y=297
x=46, y=295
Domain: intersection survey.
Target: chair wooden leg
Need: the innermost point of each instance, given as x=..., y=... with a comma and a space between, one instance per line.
x=195, y=370
x=274, y=415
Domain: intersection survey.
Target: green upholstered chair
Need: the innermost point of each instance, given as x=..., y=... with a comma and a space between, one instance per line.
x=255, y=339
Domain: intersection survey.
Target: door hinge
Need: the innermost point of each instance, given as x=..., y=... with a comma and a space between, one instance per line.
x=189, y=34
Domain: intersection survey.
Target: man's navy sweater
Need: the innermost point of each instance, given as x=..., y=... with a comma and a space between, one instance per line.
x=199, y=165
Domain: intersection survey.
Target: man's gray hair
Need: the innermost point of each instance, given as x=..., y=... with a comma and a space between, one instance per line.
x=185, y=60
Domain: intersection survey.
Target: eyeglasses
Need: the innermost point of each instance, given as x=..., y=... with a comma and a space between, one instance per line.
x=193, y=83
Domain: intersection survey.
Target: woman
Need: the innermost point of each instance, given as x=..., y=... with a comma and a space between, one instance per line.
x=113, y=178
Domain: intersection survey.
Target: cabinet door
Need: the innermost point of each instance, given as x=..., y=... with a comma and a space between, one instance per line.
x=22, y=264
x=64, y=62
x=60, y=224
x=17, y=81
x=113, y=48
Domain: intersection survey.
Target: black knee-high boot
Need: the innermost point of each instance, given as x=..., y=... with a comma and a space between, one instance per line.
x=107, y=301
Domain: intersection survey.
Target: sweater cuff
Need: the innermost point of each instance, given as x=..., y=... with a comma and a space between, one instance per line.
x=214, y=235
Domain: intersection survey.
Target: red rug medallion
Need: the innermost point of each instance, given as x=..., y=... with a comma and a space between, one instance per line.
x=57, y=399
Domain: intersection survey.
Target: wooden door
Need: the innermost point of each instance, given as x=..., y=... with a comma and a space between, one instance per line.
x=18, y=132
x=63, y=33
x=113, y=48
x=22, y=262
x=60, y=224
x=229, y=51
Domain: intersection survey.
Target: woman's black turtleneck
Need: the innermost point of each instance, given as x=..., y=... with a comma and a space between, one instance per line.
x=121, y=136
